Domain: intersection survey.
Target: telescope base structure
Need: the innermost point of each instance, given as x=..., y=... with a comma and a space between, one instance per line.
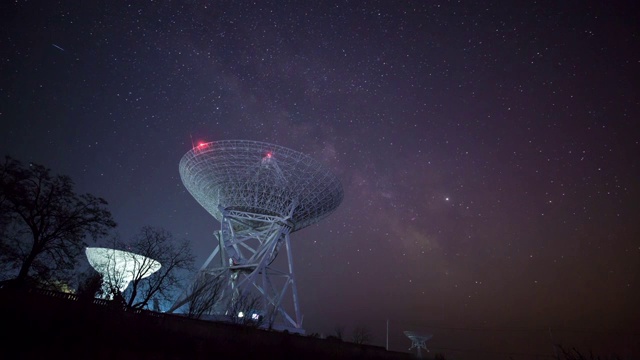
x=418, y=341
x=248, y=244
x=419, y=351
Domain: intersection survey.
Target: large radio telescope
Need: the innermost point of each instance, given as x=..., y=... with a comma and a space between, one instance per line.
x=118, y=268
x=260, y=193
x=418, y=341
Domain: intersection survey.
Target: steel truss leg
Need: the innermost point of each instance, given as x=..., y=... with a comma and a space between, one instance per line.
x=248, y=244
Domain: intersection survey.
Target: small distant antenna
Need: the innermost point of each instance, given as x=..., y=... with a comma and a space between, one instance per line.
x=418, y=341
x=192, y=145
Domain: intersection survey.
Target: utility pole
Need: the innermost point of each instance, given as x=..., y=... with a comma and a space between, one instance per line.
x=387, y=335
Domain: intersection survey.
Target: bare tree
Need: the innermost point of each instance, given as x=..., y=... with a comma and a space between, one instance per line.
x=244, y=310
x=116, y=267
x=115, y=277
x=203, y=294
x=89, y=285
x=361, y=335
x=44, y=223
x=575, y=354
x=175, y=257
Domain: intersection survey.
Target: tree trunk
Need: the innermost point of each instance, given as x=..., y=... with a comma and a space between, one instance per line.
x=24, y=270
x=28, y=261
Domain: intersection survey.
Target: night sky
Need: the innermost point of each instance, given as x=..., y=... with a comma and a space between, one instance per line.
x=488, y=151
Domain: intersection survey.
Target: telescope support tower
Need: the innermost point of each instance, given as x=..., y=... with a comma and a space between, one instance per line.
x=248, y=244
x=260, y=193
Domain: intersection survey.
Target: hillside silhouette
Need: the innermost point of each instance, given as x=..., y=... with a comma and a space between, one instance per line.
x=41, y=324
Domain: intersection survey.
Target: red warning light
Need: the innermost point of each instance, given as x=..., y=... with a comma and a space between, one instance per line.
x=267, y=158
x=200, y=146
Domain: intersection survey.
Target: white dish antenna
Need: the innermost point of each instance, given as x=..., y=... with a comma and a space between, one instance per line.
x=119, y=268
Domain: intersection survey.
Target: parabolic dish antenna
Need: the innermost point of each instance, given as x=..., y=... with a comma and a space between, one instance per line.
x=119, y=268
x=418, y=341
x=260, y=193
x=260, y=178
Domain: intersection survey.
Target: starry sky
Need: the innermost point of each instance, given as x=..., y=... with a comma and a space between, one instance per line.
x=488, y=150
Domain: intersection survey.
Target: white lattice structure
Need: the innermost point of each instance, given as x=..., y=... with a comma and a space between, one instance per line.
x=260, y=193
x=418, y=341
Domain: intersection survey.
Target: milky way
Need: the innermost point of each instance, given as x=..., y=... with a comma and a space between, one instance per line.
x=488, y=151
